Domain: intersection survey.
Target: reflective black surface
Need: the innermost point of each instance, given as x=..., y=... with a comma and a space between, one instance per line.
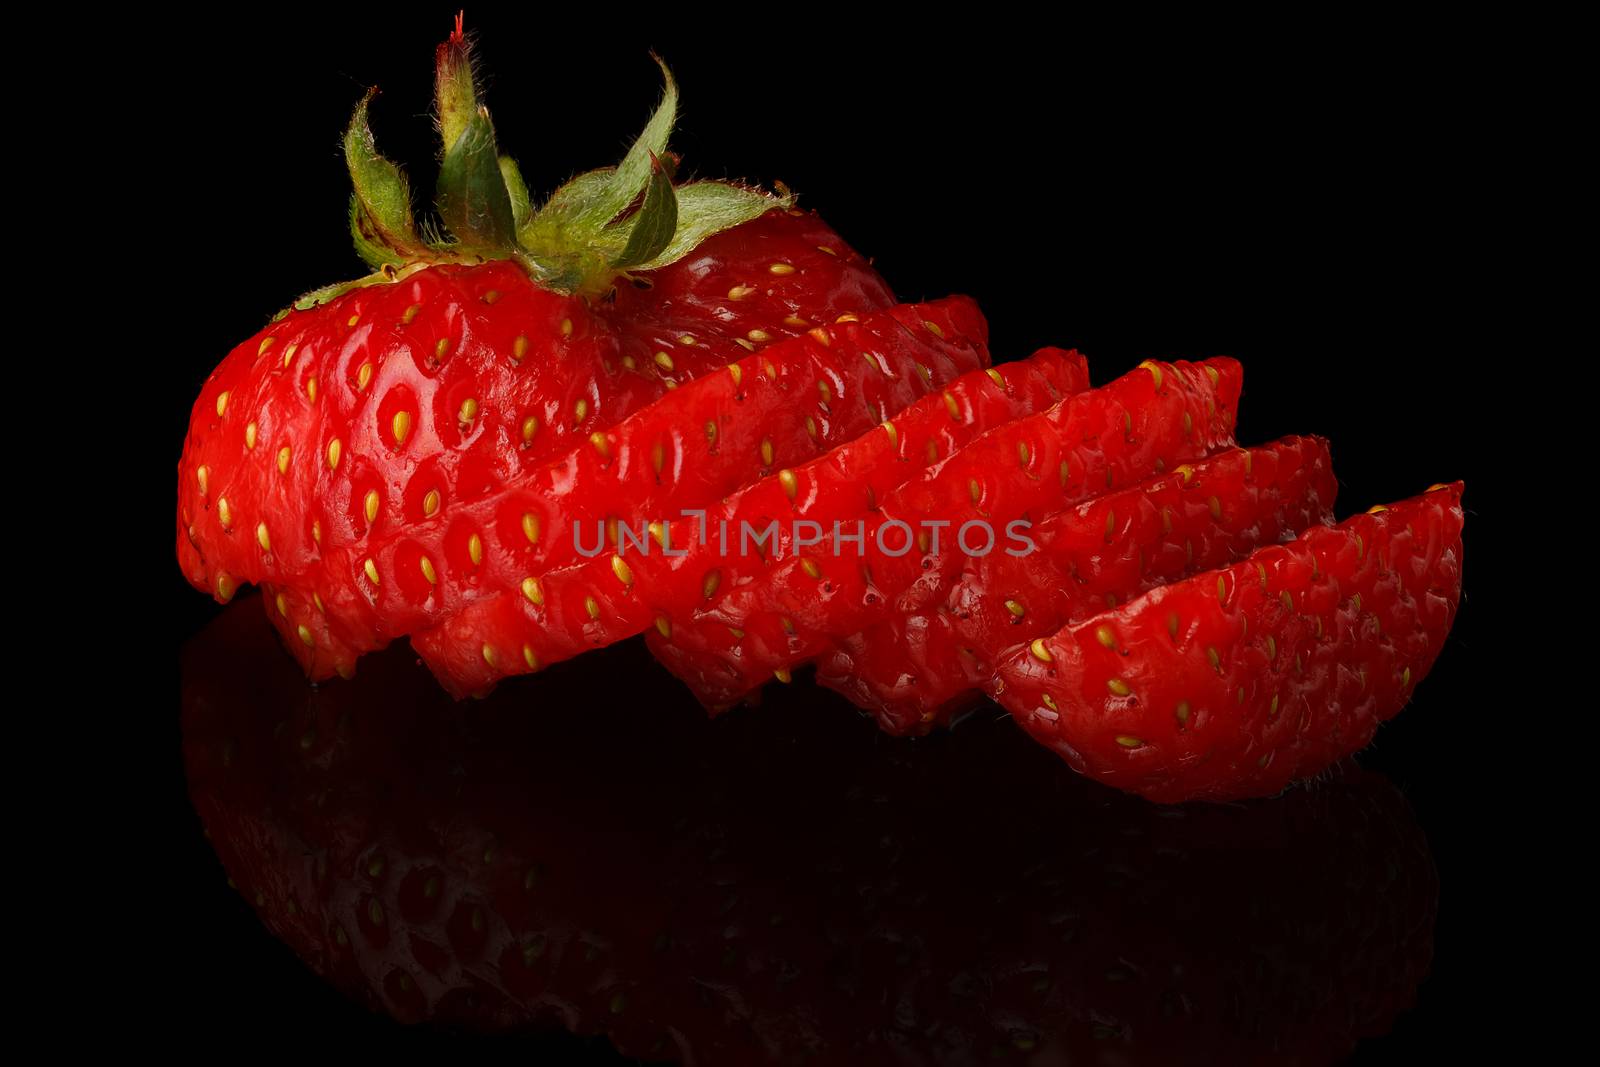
x=785, y=885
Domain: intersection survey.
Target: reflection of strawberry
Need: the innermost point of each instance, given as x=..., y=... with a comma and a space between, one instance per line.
x=478, y=865
x=381, y=408
x=1238, y=681
x=914, y=671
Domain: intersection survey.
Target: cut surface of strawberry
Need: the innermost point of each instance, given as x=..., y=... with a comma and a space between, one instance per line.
x=914, y=672
x=1240, y=680
x=631, y=587
x=1153, y=418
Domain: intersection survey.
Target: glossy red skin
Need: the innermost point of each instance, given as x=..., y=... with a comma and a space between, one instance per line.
x=772, y=397
x=661, y=587
x=1297, y=685
x=705, y=895
x=1150, y=419
x=915, y=672
x=784, y=405
x=477, y=315
x=491, y=640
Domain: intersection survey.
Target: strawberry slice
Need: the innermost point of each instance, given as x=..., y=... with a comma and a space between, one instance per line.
x=1238, y=681
x=1151, y=419
x=915, y=672
x=791, y=400
x=624, y=590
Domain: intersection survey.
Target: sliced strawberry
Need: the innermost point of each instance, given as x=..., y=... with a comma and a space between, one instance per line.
x=1238, y=681
x=790, y=400
x=1151, y=419
x=628, y=588
x=914, y=672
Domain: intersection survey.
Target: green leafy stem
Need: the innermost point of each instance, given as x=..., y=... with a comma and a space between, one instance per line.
x=630, y=217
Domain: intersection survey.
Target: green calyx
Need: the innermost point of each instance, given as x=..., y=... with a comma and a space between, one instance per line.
x=631, y=217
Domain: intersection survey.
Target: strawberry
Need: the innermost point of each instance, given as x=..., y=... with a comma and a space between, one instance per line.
x=418, y=452
x=915, y=671
x=621, y=592
x=1240, y=680
x=464, y=361
x=789, y=402
x=1150, y=419
x=645, y=464
x=481, y=867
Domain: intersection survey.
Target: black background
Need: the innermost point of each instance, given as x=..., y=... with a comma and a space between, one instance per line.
x=1305, y=199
